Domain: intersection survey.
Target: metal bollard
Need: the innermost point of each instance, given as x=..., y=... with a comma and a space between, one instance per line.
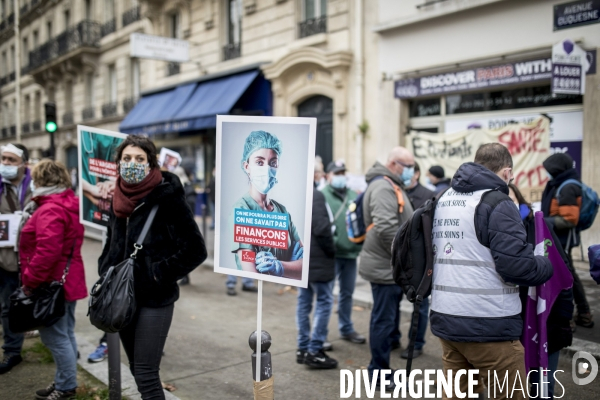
x=263, y=390
x=114, y=366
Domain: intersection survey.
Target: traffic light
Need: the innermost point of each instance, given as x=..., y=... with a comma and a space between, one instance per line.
x=51, y=125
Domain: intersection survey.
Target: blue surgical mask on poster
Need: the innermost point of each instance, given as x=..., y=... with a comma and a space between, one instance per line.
x=9, y=171
x=263, y=177
x=338, y=181
x=407, y=175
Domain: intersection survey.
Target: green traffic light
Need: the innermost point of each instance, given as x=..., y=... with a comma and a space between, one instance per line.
x=51, y=126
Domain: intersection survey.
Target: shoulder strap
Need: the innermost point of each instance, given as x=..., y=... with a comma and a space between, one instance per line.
x=147, y=225
x=398, y=192
x=341, y=209
x=565, y=183
x=66, y=271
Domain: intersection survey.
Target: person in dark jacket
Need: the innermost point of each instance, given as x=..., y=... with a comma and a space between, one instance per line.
x=321, y=274
x=558, y=326
x=436, y=176
x=481, y=257
x=417, y=193
x=172, y=249
x=563, y=215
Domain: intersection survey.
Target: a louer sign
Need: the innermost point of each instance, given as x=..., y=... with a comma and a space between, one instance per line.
x=159, y=48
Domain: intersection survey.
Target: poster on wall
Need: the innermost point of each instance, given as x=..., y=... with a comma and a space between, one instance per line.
x=570, y=64
x=566, y=129
x=528, y=143
x=264, y=182
x=97, y=173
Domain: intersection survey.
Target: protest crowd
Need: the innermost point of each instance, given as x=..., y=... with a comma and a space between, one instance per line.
x=476, y=304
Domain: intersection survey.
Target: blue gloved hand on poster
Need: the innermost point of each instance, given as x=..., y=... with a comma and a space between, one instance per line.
x=298, y=252
x=266, y=263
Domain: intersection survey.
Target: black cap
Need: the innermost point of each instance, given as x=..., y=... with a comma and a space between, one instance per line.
x=336, y=166
x=437, y=171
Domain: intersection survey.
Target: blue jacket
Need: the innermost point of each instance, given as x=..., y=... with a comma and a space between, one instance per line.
x=500, y=229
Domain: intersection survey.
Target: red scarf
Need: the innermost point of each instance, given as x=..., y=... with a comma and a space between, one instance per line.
x=127, y=195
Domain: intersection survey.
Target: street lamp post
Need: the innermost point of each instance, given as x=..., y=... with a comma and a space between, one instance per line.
x=17, y=62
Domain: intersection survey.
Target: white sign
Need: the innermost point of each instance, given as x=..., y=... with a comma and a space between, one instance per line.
x=159, y=48
x=569, y=65
x=565, y=126
x=9, y=226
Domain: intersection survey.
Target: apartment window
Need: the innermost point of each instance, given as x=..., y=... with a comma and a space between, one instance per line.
x=112, y=84
x=4, y=63
x=37, y=106
x=109, y=10
x=5, y=114
x=174, y=25
x=315, y=8
x=135, y=78
x=27, y=108
x=68, y=96
x=25, y=52
x=89, y=11
x=89, y=90
x=35, y=39
x=49, y=29
x=12, y=58
x=314, y=13
x=67, y=19
x=234, y=23
x=2, y=5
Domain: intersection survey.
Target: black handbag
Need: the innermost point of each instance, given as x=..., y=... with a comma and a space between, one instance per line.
x=43, y=308
x=112, y=303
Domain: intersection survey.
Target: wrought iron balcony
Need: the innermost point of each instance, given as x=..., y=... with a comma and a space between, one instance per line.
x=109, y=109
x=88, y=113
x=231, y=51
x=2, y=25
x=36, y=126
x=3, y=80
x=68, y=118
x=11, y=19
x=173, y=68
x=11, y=76
x=131, y=15
x=129, y=103
x=84, y=34
x=313, y=26
x=4, y=133
x=26, y=127
x=13, y=131
x=109, y=27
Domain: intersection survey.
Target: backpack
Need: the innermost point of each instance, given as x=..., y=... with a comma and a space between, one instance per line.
x=589, y=203
x=413, y=258
x=355, y=223
x=594, y=256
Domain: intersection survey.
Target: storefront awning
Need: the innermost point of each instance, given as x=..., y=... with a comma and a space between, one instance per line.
x=189, y=107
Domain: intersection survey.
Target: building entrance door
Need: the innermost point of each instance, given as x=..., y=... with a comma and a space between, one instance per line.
x=321, y=108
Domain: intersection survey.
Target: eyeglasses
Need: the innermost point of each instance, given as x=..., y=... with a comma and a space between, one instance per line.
x=404, y=165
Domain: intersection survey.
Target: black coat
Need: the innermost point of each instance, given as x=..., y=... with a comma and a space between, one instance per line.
x=172, y=249
x=419, y=195
x=322, y=247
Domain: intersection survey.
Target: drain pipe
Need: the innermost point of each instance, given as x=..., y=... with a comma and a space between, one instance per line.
x=358, y=96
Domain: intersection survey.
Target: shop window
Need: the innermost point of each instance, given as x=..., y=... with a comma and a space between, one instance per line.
x=425, y=107
x=508, y=100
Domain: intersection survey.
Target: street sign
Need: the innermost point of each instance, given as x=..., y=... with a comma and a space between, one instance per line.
x=576, y=13
x=159, y=48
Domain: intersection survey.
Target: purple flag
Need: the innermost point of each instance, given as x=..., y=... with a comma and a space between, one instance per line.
x=540, y=299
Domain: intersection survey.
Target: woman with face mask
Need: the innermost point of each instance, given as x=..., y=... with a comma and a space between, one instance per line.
x=172, y=249
x=260, y=163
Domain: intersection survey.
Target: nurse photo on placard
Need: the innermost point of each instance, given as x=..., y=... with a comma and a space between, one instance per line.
x=264, y=238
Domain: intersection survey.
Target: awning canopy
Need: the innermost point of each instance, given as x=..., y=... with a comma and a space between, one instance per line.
x=192, y=106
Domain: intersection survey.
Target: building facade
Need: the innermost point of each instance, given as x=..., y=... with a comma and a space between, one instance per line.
x=436, y=43
x=290, y=58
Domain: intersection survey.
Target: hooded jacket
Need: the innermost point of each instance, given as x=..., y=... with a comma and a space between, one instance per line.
x=443, y=184
x=46, y=241
x=380, y=206
x=172, y=249
x=563, y=214
x=500, y=230
x=322, y=250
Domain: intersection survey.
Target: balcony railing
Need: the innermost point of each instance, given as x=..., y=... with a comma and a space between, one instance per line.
x=26, y=127
x=313, y=26
x=68, y=118
x=4, y=133
x=173, y=68
x=129, y=103
x=109, y=109
x=131, y=15
x=88, y=113
x=231, y=51
x=36, y=126
x=109, y=27
x=85, y=33
x=13, y=131
x=11, y=19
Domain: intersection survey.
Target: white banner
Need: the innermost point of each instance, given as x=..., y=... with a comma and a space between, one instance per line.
x=529, y=145
x=159, y=48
